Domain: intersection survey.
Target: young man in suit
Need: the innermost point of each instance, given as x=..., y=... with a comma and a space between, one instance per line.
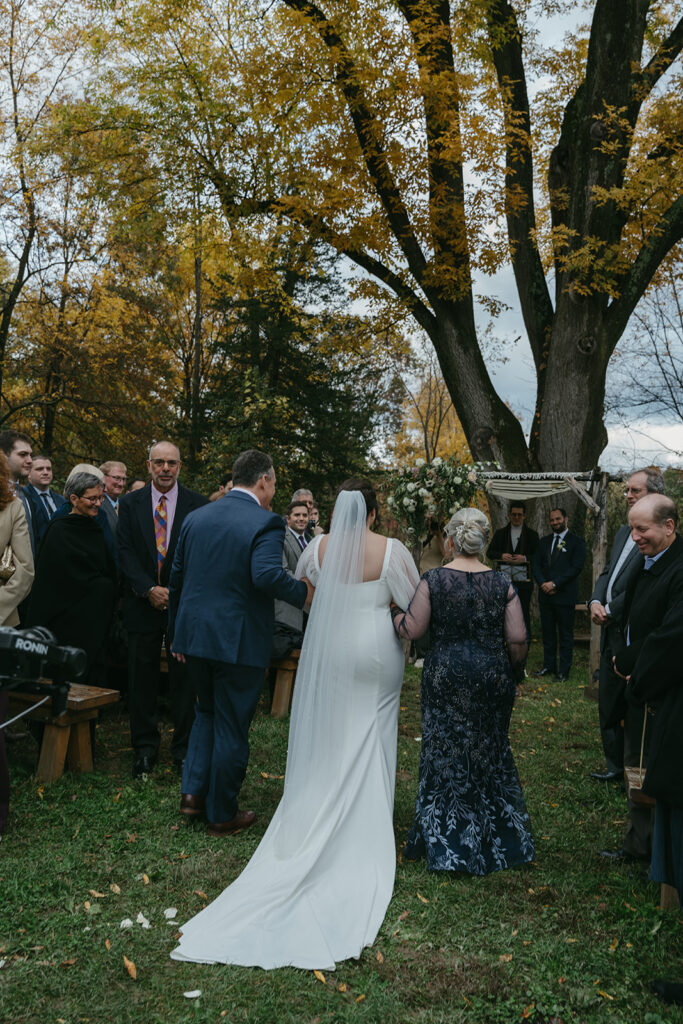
x=513, y=548
x=44, y=501
x=226, y=571
x=149, y=524
x=606, y=607
x=557, y=562
x=288, y=632
x=19, y=451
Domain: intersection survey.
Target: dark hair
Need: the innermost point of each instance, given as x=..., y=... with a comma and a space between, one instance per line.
x=43, y=456
x=366, y=489
x=250, y=466
x=295, y=504
x=558, y=509
x=518, y=504
x=8, y=439
x=654, y=481
x=224, y=479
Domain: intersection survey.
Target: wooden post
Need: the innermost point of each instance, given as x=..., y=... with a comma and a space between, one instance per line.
x=668, y=897
x=599, y=560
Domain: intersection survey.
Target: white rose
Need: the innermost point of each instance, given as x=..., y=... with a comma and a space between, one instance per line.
x=390, y=501
x=411, y=506
x=407, y=502
x=472, y=477
x=419, y=462
x=457, y=480
x=412, y=487
x=437, y=461
x=423, y=492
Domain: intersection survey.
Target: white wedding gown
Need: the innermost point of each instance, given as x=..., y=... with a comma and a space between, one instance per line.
x=319, y=884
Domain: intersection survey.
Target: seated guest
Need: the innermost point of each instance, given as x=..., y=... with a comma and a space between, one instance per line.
x=470, y=813
x=13, y=531
x=512, y=548
x=44, y=501
x=75, y=585
x=288, y=632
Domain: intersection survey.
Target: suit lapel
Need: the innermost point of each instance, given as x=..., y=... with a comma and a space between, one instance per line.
x=180, y=513
x=146, y=520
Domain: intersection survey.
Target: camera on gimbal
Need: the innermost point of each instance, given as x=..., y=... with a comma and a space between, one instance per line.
x=31, y=657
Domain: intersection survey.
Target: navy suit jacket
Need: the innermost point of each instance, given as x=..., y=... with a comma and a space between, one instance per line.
x=39, y=511
x=563, y=571
x=138, y=554
x=226, y=572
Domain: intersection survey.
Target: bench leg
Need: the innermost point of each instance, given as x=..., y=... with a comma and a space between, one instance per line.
x=282, y=698
x=79, y=751
x=53, y=752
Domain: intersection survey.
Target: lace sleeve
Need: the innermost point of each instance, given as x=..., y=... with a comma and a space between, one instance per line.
x=402, y=576
x=307, y=566
x=415, y=622
x=515, y=632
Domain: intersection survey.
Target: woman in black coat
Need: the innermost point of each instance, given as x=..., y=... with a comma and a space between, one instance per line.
x=75, y=585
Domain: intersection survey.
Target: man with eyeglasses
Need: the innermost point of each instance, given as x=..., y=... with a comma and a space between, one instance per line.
x=114, y=486
x=149, y=522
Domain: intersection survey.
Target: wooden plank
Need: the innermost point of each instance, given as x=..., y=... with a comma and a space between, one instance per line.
x=282, y=696
x=668, y=897
x=52, y=753
x=80, y=697
x=79, y=750
x=44, y=714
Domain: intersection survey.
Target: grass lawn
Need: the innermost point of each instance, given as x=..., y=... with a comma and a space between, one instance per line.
x=570, y=938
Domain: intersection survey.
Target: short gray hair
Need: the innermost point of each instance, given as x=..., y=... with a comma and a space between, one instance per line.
x=80, y=482
x=654, y=481
x=301, y=492
x=469, y=530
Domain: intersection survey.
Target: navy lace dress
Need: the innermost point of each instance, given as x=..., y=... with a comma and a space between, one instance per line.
x=470, y=813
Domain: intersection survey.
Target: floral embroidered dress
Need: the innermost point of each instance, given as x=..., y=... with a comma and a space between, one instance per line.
x=470, y=813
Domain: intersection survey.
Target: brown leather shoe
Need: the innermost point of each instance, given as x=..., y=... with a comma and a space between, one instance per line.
x=243, y=819
x=191, y=805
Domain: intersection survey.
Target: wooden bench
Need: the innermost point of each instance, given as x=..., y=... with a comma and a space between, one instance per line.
x=284, y=683
x=66, y=737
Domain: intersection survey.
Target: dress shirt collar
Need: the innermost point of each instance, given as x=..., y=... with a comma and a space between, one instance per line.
x=560, y=536
x=651, y=559
x=245, y=490
x=116, y=503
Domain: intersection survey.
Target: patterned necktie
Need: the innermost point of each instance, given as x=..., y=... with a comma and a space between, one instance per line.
x=49, y=505
x=160, y=531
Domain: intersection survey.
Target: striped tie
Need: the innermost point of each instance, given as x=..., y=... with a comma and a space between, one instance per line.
x=160, y=531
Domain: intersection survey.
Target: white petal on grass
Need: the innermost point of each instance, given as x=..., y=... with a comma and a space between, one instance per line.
x=141, y=919
x=194, y=994
x=170, y=913
x=126, y=923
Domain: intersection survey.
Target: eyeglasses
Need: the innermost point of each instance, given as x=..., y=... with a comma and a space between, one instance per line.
x=171, y=463
x=93, y=501
x=112, y=476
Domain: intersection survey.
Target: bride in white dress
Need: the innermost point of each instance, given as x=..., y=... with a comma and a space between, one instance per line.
x=317, y=888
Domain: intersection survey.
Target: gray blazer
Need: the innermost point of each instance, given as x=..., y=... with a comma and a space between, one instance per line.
x=111, y=515
x=287, y=614
x=629, y=569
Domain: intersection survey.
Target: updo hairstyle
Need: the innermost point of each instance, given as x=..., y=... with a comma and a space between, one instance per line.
x=469, y=530
x=366, y=489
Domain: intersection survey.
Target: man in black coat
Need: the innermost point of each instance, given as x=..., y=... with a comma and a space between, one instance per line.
x=513, y=547
x=606, y=607
x=556, y=565
x=148, y=528
x=648, y=655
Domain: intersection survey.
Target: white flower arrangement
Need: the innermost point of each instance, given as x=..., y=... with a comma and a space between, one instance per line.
x=430, y=491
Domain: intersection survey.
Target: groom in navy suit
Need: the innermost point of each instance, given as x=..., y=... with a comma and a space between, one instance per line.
x=556, y=565
x=226, y=572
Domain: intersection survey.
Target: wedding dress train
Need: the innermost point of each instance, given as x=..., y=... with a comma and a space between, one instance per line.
x=317, y=888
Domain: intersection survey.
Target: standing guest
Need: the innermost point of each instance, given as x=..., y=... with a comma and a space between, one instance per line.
x=314, y=521
x=224, y=486
x=136, y=484
x=470, y=813
x=18, y=449
x=513, y=547
x=226, y=572
x=303, y=494
x=606, y=607
x=648, y=653
x=75, y=586
x=288, y=632
x=114, y=486
x=556, y=565
x=44, y=501
x=13, y=531
x=149, y=525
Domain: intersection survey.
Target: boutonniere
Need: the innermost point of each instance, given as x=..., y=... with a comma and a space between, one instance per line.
x=561, y=546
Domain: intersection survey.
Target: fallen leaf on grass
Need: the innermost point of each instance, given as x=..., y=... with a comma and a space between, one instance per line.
x=526, y=1013
x=170, y=913
x=656, y=928
x=117, y=797
x=107, y=944
x=115, y=889
x=380, y=958
x=96, y=894
x=130, y=967
x=342, y=987
x=199, y=892
x=605, y=995
x=145, y=880
x=320, y=976
x=360, y=998
x=613, y=945
x=421, y=898
x=268, y=775
x=561, y=981
x=404, y=915
x=40, y=791
x=87, y=904
x=68, y=963
x=141, y=919
x=505, y=958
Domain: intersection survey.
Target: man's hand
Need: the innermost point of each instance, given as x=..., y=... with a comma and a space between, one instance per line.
x=598, y=613
x=158, y=598
x=616, y=670
x=507, y=557
x=548, y=587
x=178, y=656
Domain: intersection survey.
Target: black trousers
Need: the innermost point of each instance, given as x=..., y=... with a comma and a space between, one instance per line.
x=144, y=654
x=611, y=708
x=557, y=627
x=525, y=589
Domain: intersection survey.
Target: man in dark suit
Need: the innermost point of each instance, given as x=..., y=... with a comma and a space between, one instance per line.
x=226, y=571
x=289, y=621
x=556, y=564
x=114, y=486
x=648, y=653
x=513, y=547
x=149, y=524
x=606, y=607
x=44, y=501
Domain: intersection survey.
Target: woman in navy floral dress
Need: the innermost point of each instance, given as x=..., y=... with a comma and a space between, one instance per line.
x=470, y=813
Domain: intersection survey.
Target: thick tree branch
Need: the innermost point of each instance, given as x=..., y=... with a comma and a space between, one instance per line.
x=368, y=134
x=662, y=60
x=661, y=240
x=506, y=45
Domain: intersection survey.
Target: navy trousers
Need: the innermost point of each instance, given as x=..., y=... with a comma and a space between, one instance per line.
x=557, y=627
x=218, y=751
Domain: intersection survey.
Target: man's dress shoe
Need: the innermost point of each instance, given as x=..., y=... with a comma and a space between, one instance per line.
x=543, y=672
x=668, y=991
x=623, y=856
x=561, y=678
x=607, y=776
x=191, y=805
x=142, y=766
x=243, y=819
